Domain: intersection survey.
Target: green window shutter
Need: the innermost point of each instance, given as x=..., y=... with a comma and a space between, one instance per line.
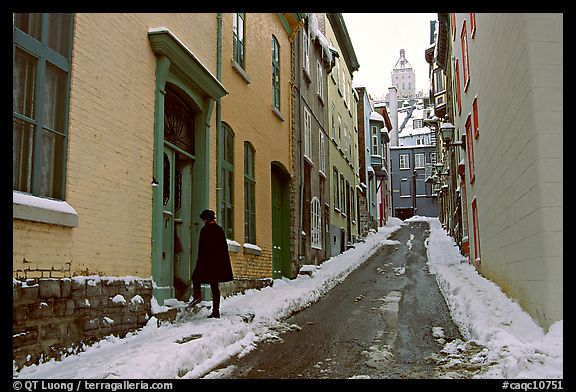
x=249, y=195
x=227, y=172
x=275, y=73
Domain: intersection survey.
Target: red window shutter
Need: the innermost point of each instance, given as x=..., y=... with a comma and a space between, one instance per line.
x=475, y=115
x=458, y=96
x=470, y=150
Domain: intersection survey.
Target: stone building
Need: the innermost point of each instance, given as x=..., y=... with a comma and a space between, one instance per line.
x=343, y=169
x=404, y=77
x=313, y=61
x=512, y=127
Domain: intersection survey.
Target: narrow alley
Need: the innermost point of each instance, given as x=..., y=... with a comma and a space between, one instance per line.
x=388, y=319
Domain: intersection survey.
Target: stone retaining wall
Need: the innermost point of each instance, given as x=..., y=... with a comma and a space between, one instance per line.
x=52, y=317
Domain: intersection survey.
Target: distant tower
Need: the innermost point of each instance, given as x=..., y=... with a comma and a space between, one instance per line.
x=404, y=77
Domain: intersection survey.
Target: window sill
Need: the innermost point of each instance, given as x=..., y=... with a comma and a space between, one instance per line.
x=240, y=71
x=307, y=77
x=40, y=209
x=233, y=246
x=278, y=113
x=308, y=160
x=252, y=249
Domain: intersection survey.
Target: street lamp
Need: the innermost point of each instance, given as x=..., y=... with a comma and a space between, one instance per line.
x=447, y=133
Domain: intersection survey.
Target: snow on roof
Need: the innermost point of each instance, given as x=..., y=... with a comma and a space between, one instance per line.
x=315, y=33
x=376, y=116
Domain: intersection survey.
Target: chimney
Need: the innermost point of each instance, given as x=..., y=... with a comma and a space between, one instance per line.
x=393, y=105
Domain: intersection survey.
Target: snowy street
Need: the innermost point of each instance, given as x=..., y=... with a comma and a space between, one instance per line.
x=497, y=335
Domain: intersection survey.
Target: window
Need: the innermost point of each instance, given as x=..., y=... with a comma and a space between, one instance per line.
x=319, y=80
x=419, y=161
x=306, y=50
x=405, y=188
x=433, y=158
x=439, y=86
x=227, y=184
x=316, y=223
x=470, y=150
x=333, y=120
x=404, y=161
x=307, y=134
x=249, y=195
x=475, y=116
x=40, y=100
x=275, y=73
x=476, y=229
x=322, y=152
x=339, y=134
x=238, y=45
x=458, y=94
x=374, y=140
x=336, y=189
x=465, y=59
x=418, y=123
x=345, y=139
x=342, y=195
x=472, y=24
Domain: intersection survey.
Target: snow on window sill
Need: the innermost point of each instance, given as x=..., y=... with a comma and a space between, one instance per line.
x=252, y=249
x=40, y=209
x=233, y=246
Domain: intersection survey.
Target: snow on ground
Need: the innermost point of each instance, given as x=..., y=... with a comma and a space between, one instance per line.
x=484, y=314
x=194, y=345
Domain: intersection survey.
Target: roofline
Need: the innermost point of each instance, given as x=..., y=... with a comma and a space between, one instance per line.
x=343, y=38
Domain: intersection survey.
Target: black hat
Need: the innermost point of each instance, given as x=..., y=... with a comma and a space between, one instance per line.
x=208, y=215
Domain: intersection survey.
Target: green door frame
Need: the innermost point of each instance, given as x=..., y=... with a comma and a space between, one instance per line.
x=177, y=65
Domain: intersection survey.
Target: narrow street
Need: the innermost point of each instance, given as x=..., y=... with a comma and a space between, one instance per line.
x=386, y=320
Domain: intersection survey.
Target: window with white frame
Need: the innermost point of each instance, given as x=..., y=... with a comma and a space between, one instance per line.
x=418, y=123
x=404, y=161
x=316, y=220
x=322, y=152
x=306, y=50
x=419, y=161
x=336, y=188
x=319, y=80
x=307, y=134
x=433, y=158
x=374, y=140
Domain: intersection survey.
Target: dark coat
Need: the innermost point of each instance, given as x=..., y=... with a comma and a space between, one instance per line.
x=213, y=264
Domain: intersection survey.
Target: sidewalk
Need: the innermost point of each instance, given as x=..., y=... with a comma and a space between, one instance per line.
x=194, y=345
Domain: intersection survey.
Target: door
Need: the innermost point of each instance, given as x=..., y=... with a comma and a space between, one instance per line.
x=280, y=225
x=176, y=263
x=276, y=227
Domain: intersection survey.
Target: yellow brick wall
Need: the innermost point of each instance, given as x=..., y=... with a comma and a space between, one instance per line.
x=110, y=145
x=247, y=109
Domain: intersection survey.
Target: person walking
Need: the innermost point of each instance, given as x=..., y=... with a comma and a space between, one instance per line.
x=213, y=263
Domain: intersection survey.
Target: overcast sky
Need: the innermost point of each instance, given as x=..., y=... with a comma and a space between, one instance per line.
x=377, y=40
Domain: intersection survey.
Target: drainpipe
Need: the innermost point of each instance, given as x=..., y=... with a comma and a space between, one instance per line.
x=219, y=118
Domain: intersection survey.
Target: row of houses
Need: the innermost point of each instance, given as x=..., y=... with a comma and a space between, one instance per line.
x=126, y=126
x=497, y=88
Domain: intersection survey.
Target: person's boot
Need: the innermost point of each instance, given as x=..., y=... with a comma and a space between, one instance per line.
x=215, y=306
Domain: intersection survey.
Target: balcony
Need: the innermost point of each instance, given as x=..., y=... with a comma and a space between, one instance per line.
x=376, y=162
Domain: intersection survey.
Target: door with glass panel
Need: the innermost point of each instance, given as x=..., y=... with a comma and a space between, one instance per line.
x=176, y=263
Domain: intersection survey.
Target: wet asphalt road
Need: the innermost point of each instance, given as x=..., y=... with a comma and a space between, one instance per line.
x=378, y=323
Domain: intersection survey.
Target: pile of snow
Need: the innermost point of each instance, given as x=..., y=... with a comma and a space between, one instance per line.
x=517, y=345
